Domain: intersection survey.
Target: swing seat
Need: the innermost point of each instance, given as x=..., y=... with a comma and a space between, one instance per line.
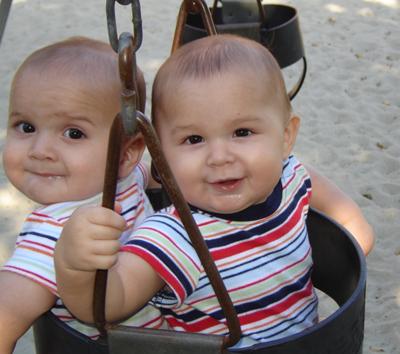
x=339, y=271
x=279, y=32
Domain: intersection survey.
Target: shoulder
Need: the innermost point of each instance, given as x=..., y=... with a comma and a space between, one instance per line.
x=166, y=219
x=59, y=213
x=163, y=227
x=43, y=226
x=170, y=216
x=48, y=215
x=132, y=186
x=139, y=175
x=296, y=182
x=294, y=172
x=293, y=166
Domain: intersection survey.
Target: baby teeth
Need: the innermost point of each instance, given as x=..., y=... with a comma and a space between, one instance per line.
x=54, y=177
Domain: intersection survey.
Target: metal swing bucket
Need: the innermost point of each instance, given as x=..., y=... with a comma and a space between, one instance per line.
x=275, y=26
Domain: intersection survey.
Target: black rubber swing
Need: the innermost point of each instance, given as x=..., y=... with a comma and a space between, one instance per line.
x=339, y=264
x=275, y=26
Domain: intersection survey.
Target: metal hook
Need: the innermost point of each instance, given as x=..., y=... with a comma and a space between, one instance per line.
x=136, y=20
x=127, y=72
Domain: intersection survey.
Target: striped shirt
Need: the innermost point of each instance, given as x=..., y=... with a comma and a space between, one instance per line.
x=33, y=255
x=262, y=253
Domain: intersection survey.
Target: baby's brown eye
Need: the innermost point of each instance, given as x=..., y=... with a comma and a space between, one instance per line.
x=74, y=133
x=26, y=128
x=194, y=139
x=242, y=132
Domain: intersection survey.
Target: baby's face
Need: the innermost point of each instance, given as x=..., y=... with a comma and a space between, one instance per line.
x=57, y=138
x=224, y=140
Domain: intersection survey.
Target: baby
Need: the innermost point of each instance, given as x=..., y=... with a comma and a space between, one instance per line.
x=227, y=129
x=63, y=100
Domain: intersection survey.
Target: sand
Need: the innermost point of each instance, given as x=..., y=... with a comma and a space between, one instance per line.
x=349, y=106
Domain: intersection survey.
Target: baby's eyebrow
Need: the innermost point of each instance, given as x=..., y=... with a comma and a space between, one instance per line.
x=73, y=117
x=15, y=114
x=183, y=128
x=246, y=119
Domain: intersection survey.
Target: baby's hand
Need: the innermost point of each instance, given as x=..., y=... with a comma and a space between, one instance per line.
x=90, y=239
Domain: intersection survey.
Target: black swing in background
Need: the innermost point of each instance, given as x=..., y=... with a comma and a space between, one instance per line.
x=275, y=26
x=339, y=264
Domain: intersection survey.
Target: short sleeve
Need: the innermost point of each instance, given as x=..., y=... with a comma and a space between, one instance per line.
x=163, y=243
x=296, y=182
x=34, y=251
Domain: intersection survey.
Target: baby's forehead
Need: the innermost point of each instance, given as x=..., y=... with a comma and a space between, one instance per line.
x=52, y=94
x=237, y=81
x=52, y=78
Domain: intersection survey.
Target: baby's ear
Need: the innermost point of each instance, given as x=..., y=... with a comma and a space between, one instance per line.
x=290, y=135
x=131, y=153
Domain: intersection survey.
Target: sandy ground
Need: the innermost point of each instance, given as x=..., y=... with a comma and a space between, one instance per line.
x=349, y=106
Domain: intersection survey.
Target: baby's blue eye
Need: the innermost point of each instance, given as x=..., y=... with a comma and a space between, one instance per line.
x=194, y=139
x=26, y=128
x=242, y=132
x=74, y=133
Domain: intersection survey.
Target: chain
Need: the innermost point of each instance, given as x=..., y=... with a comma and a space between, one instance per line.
x=126, y=45
x=136, y=20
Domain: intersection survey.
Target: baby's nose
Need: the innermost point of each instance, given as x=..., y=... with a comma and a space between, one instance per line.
x=220, y=153
x=43, y=147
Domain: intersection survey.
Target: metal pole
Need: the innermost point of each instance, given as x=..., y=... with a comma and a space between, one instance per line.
x=5, y=6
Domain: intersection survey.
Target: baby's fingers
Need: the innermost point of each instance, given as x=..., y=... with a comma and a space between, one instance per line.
x=106, y=248
x=94, y=255
x=105, y=254
x=100, y=233
x=108, y=218
x=104, y=262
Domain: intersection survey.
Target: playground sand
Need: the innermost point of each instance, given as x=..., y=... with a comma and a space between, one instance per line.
x=349, y=106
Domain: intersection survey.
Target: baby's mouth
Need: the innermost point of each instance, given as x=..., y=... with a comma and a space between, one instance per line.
x=52, y=178
x=227, y=185
x=49, y=176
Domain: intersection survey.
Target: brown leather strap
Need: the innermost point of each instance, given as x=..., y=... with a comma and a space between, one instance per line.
x=109, y=189
x=181, y=206
x=167, y=178
x=199, y=244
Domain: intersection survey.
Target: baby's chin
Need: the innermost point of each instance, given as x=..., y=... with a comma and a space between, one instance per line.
x=224, y=208
x=48, y=199
x=59, y=194
x=44, y=200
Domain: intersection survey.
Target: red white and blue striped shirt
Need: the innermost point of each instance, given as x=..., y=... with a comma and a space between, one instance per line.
x=34, y=252
x=262, y=253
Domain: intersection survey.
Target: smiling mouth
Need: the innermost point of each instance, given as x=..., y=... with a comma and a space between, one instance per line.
x=227, y=185
x=49, y=176
x=53, y=177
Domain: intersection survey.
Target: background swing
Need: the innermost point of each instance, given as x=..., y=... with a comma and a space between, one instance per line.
x=339, y=264
x=275, y=26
